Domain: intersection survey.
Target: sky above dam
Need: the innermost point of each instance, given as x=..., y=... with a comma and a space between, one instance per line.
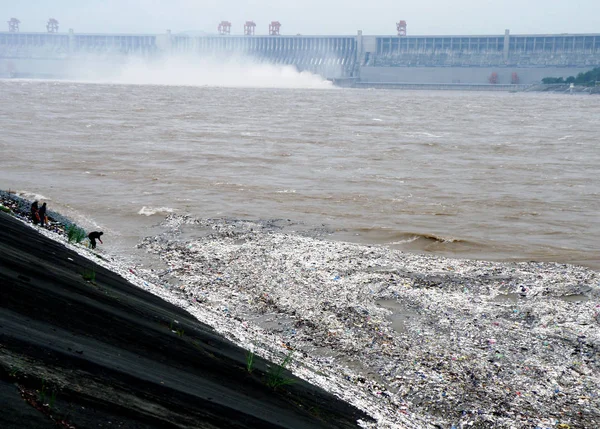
x=318, y=17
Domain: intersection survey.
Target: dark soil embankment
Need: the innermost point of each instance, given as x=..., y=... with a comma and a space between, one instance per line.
x=103, y=353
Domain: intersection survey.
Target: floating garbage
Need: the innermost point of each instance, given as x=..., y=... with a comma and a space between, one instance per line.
x=470, y=343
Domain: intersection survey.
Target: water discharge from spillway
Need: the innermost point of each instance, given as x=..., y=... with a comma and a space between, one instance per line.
x=232, y=72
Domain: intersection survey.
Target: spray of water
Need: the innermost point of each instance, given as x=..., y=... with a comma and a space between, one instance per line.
x=238, y=71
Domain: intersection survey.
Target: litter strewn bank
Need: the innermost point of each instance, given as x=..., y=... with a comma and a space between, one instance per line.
x=416, y=338
x=82, y=347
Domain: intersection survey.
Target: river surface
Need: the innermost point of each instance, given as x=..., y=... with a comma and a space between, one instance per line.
x=497, y=176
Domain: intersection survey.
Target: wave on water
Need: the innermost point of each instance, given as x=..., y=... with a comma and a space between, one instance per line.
x=150, y=211
x=233, y=72
x=419, y=134
x=412, y=237
x=31, y=196
x=439, y=239
x=388, y=236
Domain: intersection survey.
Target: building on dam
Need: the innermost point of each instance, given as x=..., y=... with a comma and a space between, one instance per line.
x=361, y=59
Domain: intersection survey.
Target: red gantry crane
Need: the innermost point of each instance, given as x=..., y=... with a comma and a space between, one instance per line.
x=224, y=27
x=274, y=27
x=52, y=26
x=13, y=25
x=249, y=27
x=401, y=27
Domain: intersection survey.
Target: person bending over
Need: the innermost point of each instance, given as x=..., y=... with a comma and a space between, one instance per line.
x=93, y=236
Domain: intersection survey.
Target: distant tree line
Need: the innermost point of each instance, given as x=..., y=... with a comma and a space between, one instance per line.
x=584, y=79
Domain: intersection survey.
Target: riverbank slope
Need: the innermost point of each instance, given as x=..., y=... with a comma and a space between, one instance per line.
x=82, y=347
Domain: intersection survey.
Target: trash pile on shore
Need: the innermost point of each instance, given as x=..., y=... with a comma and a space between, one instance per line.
x=410, y=338
x=415, y=341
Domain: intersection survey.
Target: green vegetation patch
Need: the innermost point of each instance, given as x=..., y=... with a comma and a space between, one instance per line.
x=249, y=361
x=75, y=233
x=89, y=275
x=276, y=377
x=590, y=78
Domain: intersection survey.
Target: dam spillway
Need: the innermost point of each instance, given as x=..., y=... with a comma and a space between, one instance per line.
x=507, y=58
x=329, y=56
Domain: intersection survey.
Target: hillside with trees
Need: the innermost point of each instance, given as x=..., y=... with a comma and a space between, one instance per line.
x=589, y=78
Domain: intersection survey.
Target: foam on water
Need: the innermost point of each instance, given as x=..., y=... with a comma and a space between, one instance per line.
x=28, y=195
x=150, y=211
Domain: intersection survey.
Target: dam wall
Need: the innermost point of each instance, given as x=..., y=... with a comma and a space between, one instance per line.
x=503, y=59
x=329, y=56
x=498, y=59
x=582, y=50
x=53, y=45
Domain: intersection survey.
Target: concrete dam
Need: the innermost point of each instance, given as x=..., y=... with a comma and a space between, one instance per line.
x=354, y=60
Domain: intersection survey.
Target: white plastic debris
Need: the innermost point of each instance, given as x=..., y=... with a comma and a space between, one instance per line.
x=413, y=340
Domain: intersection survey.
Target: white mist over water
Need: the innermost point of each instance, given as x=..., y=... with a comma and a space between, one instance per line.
x=233, y=72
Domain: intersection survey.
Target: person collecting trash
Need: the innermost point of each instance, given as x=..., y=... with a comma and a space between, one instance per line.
x=35, y=216
x=93, y=236
x=42, y=214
